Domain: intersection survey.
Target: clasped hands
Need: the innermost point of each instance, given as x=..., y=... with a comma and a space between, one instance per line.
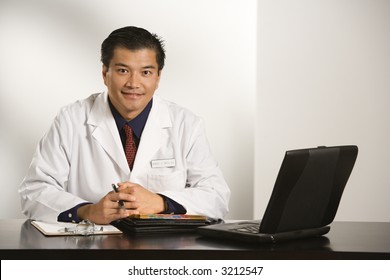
x=137, y=200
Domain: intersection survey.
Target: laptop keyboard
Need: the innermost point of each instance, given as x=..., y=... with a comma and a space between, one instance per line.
x=254, y=229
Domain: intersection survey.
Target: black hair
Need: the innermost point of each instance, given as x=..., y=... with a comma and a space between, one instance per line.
x=132, y=38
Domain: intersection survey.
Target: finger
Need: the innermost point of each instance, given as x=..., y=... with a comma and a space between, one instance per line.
x=132, y=212
x=125, y=188
x=123, y=185
x=132, y=205
x=115, y=197
x=121, y=213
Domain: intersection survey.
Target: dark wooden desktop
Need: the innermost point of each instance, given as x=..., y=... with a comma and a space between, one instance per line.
x=346, y=240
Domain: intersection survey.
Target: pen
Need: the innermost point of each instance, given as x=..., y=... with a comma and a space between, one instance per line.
x=121, y=202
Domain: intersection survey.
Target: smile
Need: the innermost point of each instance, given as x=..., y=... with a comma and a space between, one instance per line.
x=131, y=94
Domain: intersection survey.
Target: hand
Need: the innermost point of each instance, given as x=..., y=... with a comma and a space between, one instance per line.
x=143, y=200
x=108, y=209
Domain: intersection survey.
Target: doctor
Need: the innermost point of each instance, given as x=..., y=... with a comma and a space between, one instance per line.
x=91, y=145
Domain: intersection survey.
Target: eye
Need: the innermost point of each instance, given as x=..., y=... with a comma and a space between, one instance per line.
x=147, y=73
x=122, y=70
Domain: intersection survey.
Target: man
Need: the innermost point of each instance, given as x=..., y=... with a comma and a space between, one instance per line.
x=155, y=151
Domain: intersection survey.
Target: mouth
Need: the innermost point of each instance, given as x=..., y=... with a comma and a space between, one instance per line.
x=132, y=95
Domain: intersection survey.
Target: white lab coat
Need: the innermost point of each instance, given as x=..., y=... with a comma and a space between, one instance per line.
x=82, y=155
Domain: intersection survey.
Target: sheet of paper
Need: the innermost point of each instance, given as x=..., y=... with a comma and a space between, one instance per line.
x=59, y=228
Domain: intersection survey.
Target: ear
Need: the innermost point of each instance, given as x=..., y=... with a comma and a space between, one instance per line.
x=158, y=79
x=104, y=74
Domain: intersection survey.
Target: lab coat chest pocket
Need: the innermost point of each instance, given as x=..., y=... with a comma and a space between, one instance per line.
x=163, y=181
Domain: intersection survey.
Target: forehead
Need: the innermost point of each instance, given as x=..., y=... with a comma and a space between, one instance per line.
x=139, y=57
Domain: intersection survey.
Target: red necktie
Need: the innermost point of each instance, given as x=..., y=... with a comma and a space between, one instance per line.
x=130, y=147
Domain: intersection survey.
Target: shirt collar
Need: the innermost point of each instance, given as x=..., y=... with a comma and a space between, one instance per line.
x=137, y=124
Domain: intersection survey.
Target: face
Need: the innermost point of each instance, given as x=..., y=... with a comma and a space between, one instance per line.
x=131, y=79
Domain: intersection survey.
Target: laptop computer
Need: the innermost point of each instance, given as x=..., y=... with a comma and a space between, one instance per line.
x=304, y=200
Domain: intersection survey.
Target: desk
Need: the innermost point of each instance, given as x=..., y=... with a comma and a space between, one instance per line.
x=346, y=240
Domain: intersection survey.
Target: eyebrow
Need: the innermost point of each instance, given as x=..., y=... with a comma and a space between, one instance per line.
x=144, y=67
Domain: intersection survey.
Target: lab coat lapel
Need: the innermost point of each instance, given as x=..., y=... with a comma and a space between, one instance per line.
x=153, y=136
x=105, y=131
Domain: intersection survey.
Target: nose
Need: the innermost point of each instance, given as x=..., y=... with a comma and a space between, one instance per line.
x=133, y=81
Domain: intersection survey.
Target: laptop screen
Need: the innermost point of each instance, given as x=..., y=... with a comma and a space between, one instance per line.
x=308, y=188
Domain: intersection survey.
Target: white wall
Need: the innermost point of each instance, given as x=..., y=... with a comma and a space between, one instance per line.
x=324, y=79
x=323, y=69
x=49, y=55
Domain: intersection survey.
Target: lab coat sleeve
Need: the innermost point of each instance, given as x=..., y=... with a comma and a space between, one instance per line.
x=43, y=191
x=206, y=191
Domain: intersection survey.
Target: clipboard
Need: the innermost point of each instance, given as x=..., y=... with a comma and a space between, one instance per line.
x=66, y=229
